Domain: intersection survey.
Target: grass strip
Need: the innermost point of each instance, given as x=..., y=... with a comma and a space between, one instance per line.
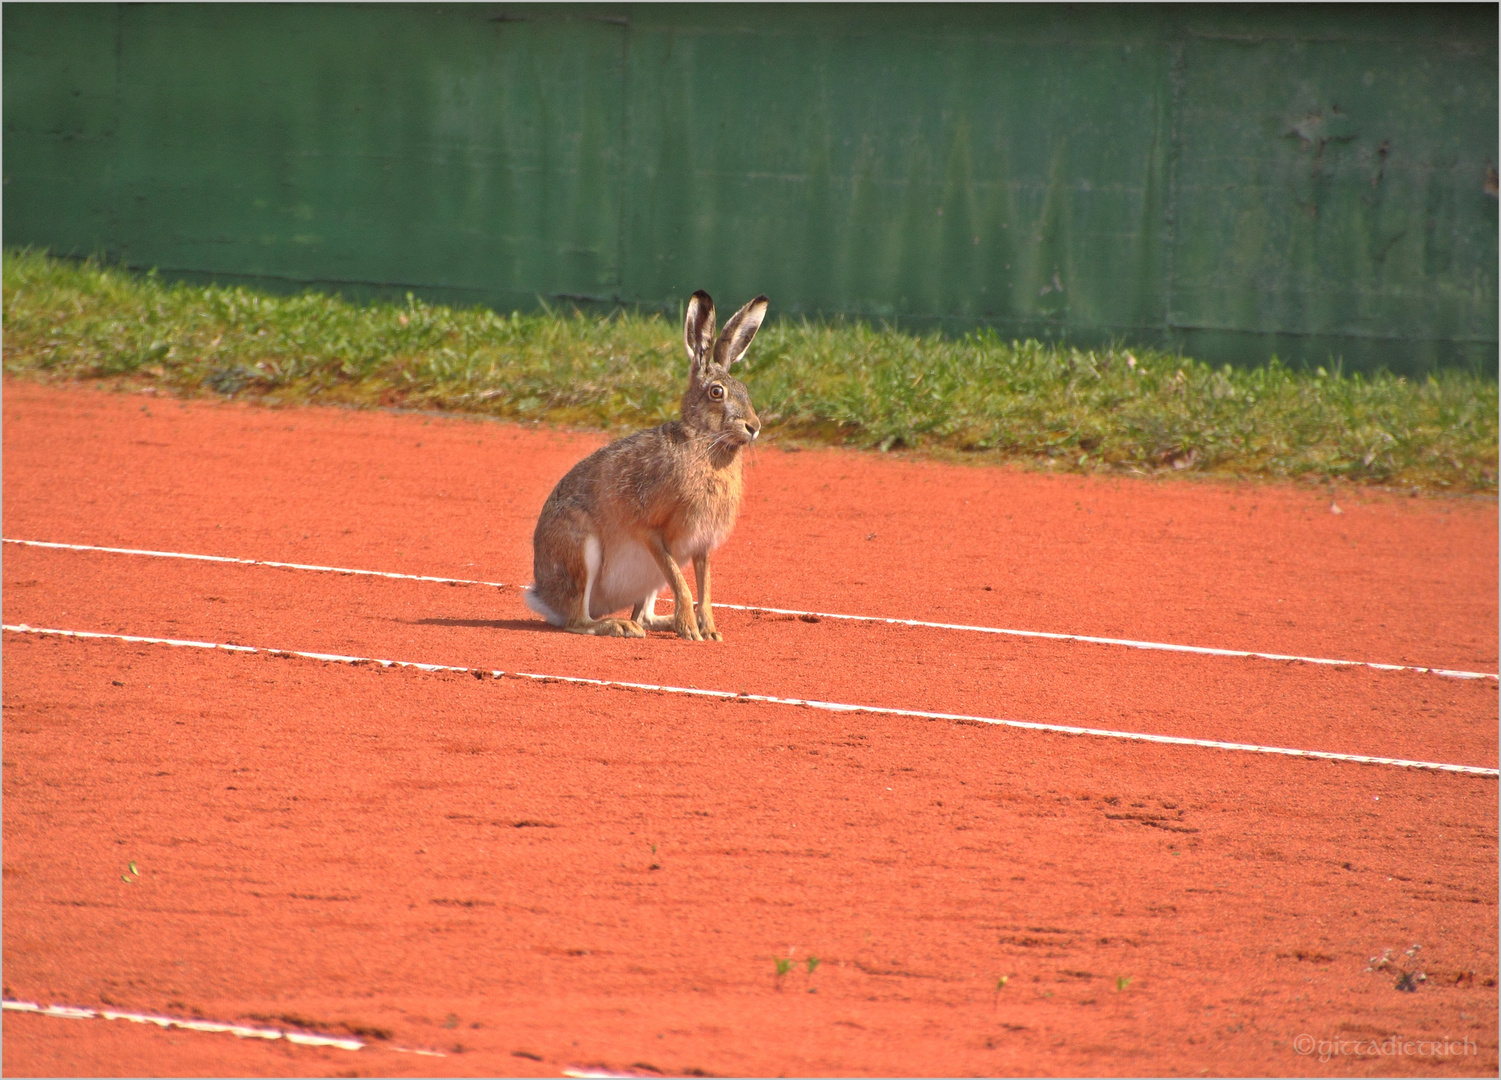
x=844, y=383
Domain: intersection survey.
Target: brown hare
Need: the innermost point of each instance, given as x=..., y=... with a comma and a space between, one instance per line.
x=621, y=524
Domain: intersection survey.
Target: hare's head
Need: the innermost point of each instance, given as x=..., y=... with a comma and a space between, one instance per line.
x=715, y=402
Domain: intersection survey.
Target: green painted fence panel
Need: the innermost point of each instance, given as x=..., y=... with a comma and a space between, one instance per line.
x=1310, y=181
x=59, y=119
x=1347, y=202
x=1013, y=186
x=386, y=146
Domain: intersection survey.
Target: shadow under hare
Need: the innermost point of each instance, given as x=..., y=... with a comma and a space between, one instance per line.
x=623, y=522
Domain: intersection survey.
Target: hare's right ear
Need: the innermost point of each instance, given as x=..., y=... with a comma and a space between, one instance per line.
x=738, y=332
x=698, y=331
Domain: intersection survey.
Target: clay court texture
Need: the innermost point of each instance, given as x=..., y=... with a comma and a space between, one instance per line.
x=537, y=853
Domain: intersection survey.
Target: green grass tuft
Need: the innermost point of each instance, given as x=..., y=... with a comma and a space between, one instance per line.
x=845, y=383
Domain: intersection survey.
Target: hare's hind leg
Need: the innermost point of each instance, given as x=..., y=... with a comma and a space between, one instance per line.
x=611, y=627
x=565, y=582
x=579, y=621
x=645, y=613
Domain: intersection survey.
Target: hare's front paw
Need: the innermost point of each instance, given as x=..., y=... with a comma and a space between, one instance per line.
x=686, y=629
x=706, y=625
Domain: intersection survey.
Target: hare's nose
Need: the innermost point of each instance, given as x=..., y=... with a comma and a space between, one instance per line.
x=752, y=429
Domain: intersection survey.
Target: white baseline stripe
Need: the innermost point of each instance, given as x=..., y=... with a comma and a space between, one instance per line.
x=74, y=1012
x=828, y=706
x=249, y=562
x=1198, y=650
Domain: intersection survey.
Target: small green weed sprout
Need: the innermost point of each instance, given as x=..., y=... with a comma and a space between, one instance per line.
x=813, y=963
x=1121, y=982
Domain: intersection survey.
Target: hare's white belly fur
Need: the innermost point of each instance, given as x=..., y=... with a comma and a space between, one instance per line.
x=617, y=577
x=622, y=574
x=626, y=571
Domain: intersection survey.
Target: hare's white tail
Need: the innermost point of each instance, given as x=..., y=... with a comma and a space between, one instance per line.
x=533, y=601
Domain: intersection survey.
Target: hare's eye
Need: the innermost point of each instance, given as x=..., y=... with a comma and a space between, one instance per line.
x=716, y=392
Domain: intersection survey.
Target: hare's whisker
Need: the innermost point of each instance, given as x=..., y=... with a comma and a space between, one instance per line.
x=709, y=447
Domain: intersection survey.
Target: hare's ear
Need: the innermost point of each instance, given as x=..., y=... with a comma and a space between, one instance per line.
x=698, y=330
x=738, y=332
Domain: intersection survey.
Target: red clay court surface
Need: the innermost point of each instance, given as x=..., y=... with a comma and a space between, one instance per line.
x=531, y=877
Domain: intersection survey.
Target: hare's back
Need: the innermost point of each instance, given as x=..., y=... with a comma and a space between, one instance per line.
x=594, y=480
x=636, y=477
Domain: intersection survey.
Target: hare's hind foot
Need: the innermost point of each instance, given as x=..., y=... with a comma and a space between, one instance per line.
x=690, y=629
x=645, y=613
x=684, y=624
x=608, y=628
x=686, y=630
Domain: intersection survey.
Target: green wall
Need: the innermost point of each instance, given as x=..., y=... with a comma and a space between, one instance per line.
x=1304, y=180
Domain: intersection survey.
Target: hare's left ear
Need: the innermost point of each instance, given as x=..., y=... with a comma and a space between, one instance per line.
x=738, y=332
x=698, y=331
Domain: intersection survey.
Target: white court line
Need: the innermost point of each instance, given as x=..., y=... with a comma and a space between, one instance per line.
x=73, y=1012
x=828, y=706
x=1157, y=646
x=249, y=562
x=1199, y=650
